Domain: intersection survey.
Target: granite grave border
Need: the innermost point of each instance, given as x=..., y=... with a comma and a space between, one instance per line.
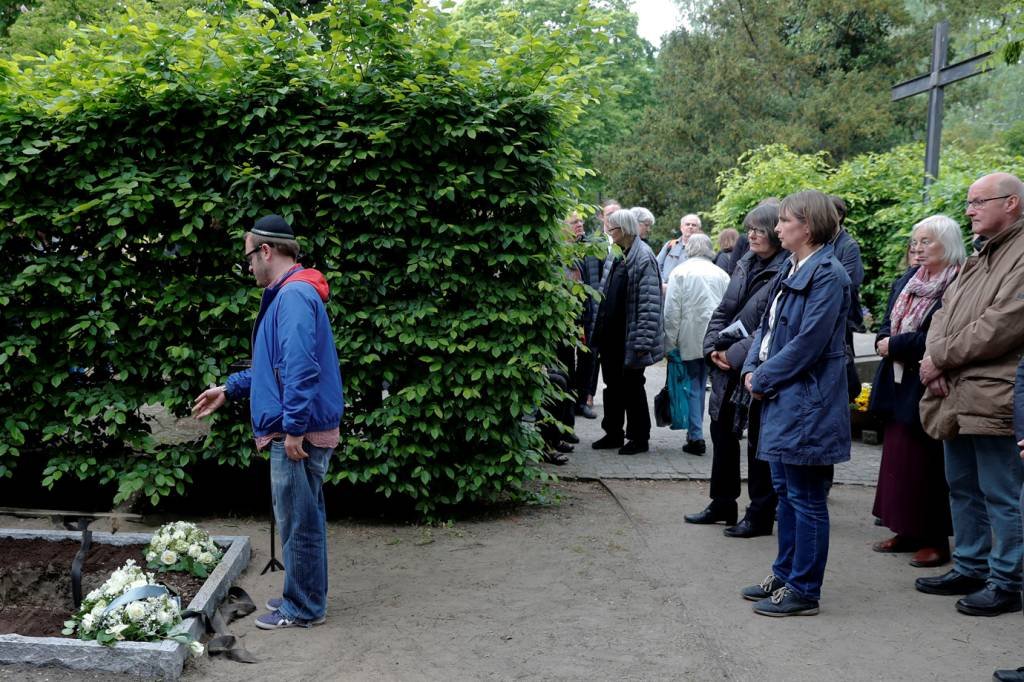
x=163, y=659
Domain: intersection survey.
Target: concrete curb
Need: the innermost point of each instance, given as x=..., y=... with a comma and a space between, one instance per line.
x=162, y=660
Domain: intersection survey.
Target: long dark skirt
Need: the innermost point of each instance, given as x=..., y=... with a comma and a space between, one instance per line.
x=912, y=497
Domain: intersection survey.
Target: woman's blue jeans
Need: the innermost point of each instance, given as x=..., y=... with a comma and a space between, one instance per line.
x=803, y=526
x=297, y=490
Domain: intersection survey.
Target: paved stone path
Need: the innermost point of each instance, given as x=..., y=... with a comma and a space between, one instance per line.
x=666, y=460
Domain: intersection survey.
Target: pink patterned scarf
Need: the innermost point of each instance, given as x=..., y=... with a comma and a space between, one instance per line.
x=918, y=297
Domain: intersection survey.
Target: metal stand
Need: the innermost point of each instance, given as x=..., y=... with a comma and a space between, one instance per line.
x=273, y=564
x=76, y=564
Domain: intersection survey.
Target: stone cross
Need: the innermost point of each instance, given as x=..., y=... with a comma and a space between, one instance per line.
x=933, y=83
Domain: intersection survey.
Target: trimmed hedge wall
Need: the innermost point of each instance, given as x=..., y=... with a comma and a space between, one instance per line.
x=430, y=197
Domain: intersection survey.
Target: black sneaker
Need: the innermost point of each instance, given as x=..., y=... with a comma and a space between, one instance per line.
x=695, y=447
x=586, y=411
x=633, y=447
x=570, y=438
x=785, y=602
x=608, y=443
x=758, y=592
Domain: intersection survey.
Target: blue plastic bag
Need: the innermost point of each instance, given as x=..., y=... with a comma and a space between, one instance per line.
x=678, y=385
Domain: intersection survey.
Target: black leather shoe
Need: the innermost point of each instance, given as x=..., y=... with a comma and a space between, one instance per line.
x=748, y=529
x=571, y=438
x=562, y=446
x=949, y=583
x=695, y=447
x=1009, y=675
x=989, y=601
x=586, y=411
x=713, y=515
x=608, y=443
x=634, y=447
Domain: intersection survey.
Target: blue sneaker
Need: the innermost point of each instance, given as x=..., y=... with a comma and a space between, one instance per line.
x=275, y=603
x=785, y=602
x=275, y=620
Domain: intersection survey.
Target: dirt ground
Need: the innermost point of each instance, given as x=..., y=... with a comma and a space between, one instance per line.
x=607, y=584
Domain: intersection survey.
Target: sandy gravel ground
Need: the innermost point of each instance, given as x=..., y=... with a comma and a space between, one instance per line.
x=607, y=584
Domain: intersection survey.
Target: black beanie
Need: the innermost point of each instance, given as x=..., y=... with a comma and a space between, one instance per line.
x=273, y=226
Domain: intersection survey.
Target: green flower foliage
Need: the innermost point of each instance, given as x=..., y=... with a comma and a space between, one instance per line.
x=426, y=187
x=883, y=192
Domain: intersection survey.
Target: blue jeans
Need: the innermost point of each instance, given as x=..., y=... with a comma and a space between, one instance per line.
x=297, y=490
x=803, y=528
x=985, y=476
x=697, y=373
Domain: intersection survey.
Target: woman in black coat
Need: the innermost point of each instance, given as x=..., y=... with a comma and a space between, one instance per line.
x=912, y=498
x=744, y=302
x=628, y=336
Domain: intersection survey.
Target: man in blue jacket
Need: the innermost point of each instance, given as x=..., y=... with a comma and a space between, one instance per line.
x=295, y=399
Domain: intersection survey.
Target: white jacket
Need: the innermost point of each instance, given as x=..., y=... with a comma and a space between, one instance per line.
x=695, y=289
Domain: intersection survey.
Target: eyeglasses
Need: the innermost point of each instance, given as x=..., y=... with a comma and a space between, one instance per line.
x=612, y=229
x=246, y=259
x=757, y=230
x=978, y=203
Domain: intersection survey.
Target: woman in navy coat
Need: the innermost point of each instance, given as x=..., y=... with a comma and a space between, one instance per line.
x=797, y=367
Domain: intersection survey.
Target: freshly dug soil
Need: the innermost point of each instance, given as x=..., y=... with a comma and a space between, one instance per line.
x=35, y=581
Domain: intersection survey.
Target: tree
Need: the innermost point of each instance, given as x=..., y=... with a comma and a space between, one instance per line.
x=812, y=75
x=614, y=64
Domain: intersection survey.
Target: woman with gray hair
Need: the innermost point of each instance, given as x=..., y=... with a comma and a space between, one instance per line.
x=627, y=335
x=912, y=498
x=695, y=289
x=645, y=219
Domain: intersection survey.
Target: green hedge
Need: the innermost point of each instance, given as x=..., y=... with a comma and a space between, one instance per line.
x=428, y=191
x=883, y=193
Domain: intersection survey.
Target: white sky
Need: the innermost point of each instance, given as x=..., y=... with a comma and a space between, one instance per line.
x=657, y=17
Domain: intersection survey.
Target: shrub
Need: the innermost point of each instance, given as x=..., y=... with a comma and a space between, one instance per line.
x=428, y=189
x=883, y=192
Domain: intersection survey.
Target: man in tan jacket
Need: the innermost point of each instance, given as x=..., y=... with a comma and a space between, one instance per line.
x=974, y=345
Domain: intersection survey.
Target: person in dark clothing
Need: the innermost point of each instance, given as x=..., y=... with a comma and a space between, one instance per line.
x=581, y=368
x=912, y=497
x=744, y=303
x=727, y=239
x=628, y=335
x=1018, y=428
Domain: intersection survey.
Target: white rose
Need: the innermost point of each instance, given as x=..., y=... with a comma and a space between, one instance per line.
x=196, y=647
x=88, y=622
x=150, y=557
x=164, y=616
x=97, y=610
x=205, y=559
x=135, y=611
x=179, y=535
x=94, y=595
x=169, y=558
x=194, y=551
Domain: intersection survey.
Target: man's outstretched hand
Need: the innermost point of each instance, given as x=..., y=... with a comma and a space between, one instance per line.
x=208, y=402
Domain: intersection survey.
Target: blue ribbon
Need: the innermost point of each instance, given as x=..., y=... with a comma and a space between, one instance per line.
x=137, y=594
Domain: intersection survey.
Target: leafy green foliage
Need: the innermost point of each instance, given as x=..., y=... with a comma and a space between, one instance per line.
x=882, y=191
x=595, y=40
x=428, y=190
x=811, y=75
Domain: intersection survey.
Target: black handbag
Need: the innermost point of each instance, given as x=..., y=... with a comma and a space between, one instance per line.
x=663, y=408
